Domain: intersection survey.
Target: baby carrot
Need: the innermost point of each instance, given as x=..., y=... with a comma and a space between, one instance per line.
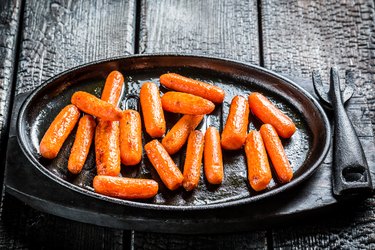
x=258, y=169
x=191, y=86
x=235, y=129
x=164, y=165
x=193, y=160
x=178, y=135
x=125, y=188
x=58, y=131
x=112, y=88
x=153, y=114
x=82, y=143
x=213, y=159
x=94, y=106
x=107, y=142
x=276, y=153
x=178, y=102
x=269, y=113
x=107, y=148
x=130, y=138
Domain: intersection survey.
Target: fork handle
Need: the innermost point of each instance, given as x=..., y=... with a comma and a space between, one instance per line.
x=351, y=175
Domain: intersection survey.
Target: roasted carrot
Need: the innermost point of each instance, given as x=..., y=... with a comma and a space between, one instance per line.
x=178, y=135
x=164, y=165
x=92, y=105
x=107, y=141
x=112, y=88
x=276, y=153
x=82, y=143
x=213, y=159
x=269, y=113
x=193, y=160
x=194, y=87
x=178, y=102
x=153, y=115
x=258, y=169
x=130, y=138
x=58, y=131
x=235, y=129
x=125, y=188
x=107, y=148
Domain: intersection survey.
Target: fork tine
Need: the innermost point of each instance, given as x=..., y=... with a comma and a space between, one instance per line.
x=349, y=85
x=319, y=88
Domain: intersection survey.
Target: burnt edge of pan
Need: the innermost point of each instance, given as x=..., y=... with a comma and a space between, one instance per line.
x=225, y=204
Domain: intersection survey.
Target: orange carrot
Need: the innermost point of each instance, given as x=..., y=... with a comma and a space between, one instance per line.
x=178, y=102
x=213, y=159
x=58, y=131
x=94, y=106
x=125, y=188
x=130, y=138
x=276, y=153
x=269, y=113
x=153, y=114
x=258, y=169
x=82, y=143
x=235, y=129
x=193, y=160
x=178, y=135
x=112, y=88
x=194, y=87
x=164, y=165
x=107, y=144
x=107, y=148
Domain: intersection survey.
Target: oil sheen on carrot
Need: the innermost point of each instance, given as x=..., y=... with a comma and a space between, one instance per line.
x=258, y=169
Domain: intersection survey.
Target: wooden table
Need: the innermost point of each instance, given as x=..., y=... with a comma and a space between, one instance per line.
x=39, y=39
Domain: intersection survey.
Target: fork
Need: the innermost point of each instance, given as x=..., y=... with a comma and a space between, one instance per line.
x=351, y=175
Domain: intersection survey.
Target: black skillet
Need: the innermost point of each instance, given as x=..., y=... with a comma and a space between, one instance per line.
x=208, y=206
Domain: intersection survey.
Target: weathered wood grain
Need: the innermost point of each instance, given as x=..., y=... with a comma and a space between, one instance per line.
x=246, y=240
x=25, y=228
x=298, y=37
x=227, y=29
x=9, y=24
x=346, y=228
x=58, y=35
x=301, y=36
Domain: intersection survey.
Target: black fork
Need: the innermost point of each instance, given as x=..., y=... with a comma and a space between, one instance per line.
x=351, y=175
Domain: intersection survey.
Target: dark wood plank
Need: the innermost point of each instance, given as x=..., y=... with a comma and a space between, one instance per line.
x=299, y=37
x=246, y=240
x=227, y=29
x=58, y=35
x=9, y=25
x=345, y=228
x=22, y=227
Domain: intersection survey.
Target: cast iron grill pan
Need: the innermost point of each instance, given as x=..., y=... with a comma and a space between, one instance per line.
x=305, y=149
